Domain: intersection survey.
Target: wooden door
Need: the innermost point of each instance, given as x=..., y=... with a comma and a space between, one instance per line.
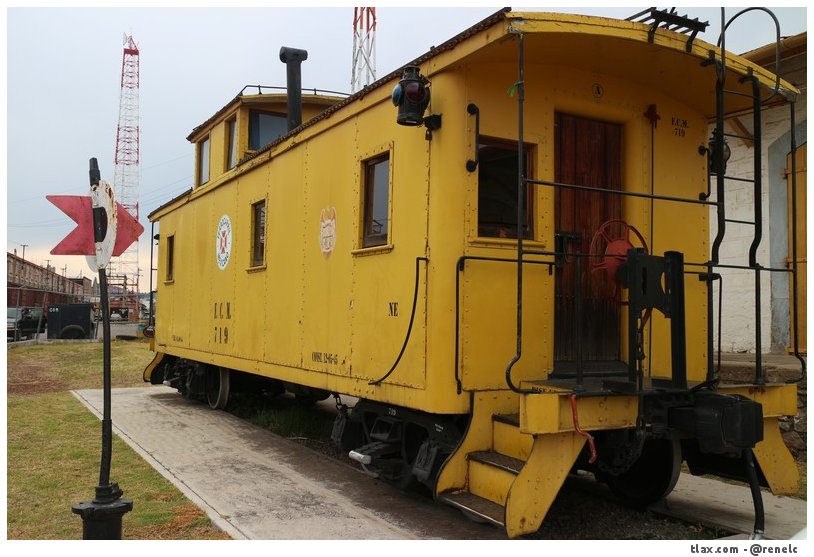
x=587, y=153
x=801, y=247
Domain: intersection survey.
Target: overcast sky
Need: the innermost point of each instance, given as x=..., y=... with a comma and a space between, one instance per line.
x=62, y=87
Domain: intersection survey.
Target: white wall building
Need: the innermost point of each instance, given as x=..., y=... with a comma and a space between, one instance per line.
x=738, y=333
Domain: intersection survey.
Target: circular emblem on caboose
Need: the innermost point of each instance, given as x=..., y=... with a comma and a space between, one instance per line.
x=223, y=242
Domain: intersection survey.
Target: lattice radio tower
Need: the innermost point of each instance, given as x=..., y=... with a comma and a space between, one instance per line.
x=364, y=48
x=126, y=174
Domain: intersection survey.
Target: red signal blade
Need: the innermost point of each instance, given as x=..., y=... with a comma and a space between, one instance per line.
x=80, y=240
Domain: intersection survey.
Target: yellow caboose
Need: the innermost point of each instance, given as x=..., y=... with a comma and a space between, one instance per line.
x=500, y=249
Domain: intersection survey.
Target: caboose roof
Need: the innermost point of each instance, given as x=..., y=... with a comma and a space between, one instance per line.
x=622, y=49
x=596, y=44
x=599, y=45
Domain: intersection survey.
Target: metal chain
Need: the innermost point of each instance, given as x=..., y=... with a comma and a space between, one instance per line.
x=342, y=409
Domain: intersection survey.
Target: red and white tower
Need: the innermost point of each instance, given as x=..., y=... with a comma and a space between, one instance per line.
x=126, y=173
x=363, y=72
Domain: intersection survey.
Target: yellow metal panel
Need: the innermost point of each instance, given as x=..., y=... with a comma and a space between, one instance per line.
x=489, y=482
x=221, y=230
x=249, y=326
x=489, y=323
x=383, y=313
x=283, y=281
x=384, y=278
x=776, y=399
x=172, y=321
x=775, y=461
x=446, y=198
x=680, y=172
x=536, y=487
x=327, y=277
x=551, y=413
x=148, y=371
x=802, y=209
x=510, y=441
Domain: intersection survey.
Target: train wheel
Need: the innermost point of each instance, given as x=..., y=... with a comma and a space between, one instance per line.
x=413, y=436
x=217, y=387
x=652, y=477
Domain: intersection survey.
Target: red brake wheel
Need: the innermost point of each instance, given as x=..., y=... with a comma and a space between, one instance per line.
x=609, y=248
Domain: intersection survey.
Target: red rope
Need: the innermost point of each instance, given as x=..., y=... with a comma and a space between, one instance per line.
x=581, y=431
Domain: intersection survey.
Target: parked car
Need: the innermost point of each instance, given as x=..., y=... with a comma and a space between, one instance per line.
x=23, y=323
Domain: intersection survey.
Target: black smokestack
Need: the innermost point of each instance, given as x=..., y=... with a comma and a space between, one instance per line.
x=293, y=57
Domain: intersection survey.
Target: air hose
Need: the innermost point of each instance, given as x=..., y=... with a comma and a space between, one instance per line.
x=757, y=498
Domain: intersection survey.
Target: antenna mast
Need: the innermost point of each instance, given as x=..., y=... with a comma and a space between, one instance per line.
x=126, y=174
x=364, y=48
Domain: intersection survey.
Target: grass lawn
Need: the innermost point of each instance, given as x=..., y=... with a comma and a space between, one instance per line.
x=54, y=449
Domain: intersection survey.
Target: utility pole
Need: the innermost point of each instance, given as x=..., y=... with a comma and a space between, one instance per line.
x=24, y=246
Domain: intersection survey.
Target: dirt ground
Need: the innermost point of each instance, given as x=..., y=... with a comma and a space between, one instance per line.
x=32, y=378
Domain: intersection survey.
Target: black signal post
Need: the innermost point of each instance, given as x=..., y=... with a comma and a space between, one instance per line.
x=102, y=516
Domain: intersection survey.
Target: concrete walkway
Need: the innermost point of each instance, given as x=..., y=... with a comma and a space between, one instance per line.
x=256, y=485
x=251, y=483
x=728, y=506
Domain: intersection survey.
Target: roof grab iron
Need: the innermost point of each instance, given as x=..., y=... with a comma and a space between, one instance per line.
x=671, y=21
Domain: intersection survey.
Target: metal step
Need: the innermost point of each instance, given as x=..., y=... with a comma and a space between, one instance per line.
x=498, y=460
x=367, y=453
x=478, y=508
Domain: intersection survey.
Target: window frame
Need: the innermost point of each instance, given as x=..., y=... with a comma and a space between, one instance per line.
x=253, y=112
x=529, y=152
x=231, y=143
x=204, y=153
x=369, y=240
x=169, y=274
x=254, y=263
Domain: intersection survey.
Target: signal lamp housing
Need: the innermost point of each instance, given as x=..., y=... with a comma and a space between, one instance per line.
x=718, y=154
x=412, y=96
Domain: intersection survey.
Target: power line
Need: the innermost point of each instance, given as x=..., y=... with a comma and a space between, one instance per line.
x=83, y=191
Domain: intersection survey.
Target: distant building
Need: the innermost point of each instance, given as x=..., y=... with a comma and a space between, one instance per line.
x=31, y=285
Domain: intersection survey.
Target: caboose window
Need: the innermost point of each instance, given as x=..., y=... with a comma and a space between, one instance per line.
x=258, y=233
x=376, y=201
x=170, y=258
x=497, y=190
x=203, y=162
x=231, y=146
x=265, y=127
